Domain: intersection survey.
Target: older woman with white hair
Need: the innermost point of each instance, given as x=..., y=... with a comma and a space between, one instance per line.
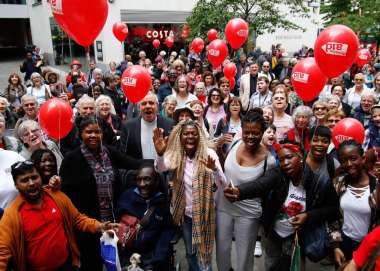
x=38, y=88
x=30, y=134
x=363, y=111
x=7, y=142
x=334, y=102
x=319, y=112
x=300, y=133
x=10, y=117
x=105, y=110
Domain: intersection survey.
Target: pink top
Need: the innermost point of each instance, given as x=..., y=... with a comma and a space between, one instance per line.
x=218, y=177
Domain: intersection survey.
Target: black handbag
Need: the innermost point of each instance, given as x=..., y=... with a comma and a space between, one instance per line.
x=315, y=242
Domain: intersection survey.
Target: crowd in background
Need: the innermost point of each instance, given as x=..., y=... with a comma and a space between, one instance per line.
x=194, y=158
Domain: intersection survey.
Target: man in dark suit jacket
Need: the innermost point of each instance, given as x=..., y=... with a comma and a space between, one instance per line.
x=283, y=70
x=137, y=133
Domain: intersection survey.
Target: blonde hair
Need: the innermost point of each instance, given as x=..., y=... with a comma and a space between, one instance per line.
x=175, y=152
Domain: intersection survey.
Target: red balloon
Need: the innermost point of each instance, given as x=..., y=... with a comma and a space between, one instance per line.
x=136, y=82
x=236, y=32
x=169, y=41
x=230, y=70
x=212, y=34
x=120, y=31
x=81, y=20
x=363, y=57
x=348, y=128
x=307, y=79
x=217, y=51
x=232, y=82
x=56, y=118
x=198, y=44
x=335, y=50
x=156, y=43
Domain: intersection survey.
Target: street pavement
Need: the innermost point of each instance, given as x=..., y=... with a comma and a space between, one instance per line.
x=6, y=67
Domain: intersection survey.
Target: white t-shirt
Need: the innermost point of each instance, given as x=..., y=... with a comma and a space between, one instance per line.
x=356, y=213
x=8, y=190
x=294, y=204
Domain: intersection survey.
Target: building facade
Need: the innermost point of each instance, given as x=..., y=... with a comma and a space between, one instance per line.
x=31, y=22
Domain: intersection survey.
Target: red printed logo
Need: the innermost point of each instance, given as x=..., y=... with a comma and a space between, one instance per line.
x=335, y=48
x=56, y=6
x=300, y=77
x=129, y=81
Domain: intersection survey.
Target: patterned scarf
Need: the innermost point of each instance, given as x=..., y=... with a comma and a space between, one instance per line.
x=104, y=176
x=203, y=213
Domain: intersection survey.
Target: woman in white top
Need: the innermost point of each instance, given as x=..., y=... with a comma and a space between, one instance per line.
x=357, y=200
x=38, y=88
x=30, y=134
x=247, y=160
x=182, y=94
x=196, y=174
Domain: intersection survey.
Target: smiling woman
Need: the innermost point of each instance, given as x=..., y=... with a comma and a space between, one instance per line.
x=99, y=188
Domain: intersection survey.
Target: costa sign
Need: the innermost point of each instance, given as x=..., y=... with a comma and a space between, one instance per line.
x=158, y=34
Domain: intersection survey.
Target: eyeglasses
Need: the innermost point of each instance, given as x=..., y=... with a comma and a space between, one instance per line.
x=22, y=163
x=319, y=108
x=215, y=95
x=359, y=79
x=265, y=66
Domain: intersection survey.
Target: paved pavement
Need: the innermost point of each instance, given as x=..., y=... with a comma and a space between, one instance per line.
x=6, y=67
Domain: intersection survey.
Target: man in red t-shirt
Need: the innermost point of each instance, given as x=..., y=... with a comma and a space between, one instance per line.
x=37, y=229
x=369, y=246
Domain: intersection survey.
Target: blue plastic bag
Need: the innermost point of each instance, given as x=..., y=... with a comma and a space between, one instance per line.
x=109, y=252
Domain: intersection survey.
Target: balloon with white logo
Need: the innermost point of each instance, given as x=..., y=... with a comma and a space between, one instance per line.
x=363, y=57
x=236, y=32
x=307, y=79
x=348, y=128
x=217, y=52
x=135, y=82
x=335, y=50
x=120, y=31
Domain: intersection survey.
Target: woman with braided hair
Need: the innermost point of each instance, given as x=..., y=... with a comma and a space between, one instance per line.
x=197, y=172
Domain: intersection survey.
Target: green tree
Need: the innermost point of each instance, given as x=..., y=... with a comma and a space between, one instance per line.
x=263, y=16
x=362, y=16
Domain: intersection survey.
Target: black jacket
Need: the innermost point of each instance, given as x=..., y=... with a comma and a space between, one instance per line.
x=79, y=184
x=131, y=135
x=153, y=240
x=321, y=200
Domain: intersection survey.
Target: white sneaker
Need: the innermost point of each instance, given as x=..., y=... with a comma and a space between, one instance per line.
x=258, y=250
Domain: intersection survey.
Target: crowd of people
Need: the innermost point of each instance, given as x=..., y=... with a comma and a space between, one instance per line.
x=251, y=165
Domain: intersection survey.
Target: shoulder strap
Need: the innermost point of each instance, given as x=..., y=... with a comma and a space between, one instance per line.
x=145, y=220
x=233, y=145
x=265, y=165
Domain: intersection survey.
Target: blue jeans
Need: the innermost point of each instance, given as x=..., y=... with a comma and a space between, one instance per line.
x=191, y=257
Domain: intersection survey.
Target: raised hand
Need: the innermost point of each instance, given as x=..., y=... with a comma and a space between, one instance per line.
x=209, y=163
x=55, y=183
x=160, y=143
